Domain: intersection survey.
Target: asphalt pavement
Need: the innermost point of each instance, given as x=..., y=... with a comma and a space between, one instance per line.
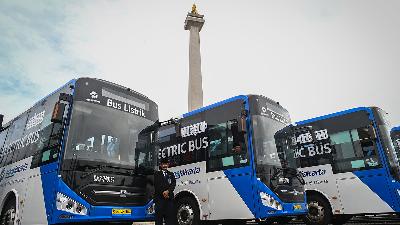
x=358, y=220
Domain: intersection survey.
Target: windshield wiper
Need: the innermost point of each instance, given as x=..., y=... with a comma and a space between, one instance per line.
x=97, y=169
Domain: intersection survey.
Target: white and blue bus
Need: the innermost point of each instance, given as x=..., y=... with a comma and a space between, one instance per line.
x=351, y=168
x=233, y=163
x=80, y=154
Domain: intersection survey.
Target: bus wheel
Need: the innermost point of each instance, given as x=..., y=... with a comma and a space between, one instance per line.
x=8, y=214
x=319, y=211
x=188, y=212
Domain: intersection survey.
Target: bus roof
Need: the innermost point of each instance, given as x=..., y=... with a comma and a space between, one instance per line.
x=344, y=112
x=71, y=82
x=238, y=97
x=396, y=128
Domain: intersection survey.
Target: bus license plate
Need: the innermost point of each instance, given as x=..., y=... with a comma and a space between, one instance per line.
x=297, y=207
x=121, y=211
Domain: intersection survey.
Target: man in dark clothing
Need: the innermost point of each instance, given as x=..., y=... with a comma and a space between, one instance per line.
x=164, y=185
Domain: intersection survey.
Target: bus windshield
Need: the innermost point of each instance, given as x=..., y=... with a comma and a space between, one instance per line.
x=99, y=133
x=272, y=148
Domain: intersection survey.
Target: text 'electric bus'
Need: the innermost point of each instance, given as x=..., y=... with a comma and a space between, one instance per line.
x=351, y=167
x=78, y=155
x=233, y=162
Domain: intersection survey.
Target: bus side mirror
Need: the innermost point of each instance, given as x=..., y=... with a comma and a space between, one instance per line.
x=372, y=132
x=58, y=112
x=178, y=129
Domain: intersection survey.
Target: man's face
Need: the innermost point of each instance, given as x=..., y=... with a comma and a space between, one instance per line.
x=164, y=166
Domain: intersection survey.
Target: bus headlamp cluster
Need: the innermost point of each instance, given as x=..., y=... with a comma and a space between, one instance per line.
x=65, y=203
x=269, y=201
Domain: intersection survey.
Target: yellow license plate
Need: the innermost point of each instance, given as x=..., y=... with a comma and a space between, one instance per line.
x=297, y=207
x=121, y=211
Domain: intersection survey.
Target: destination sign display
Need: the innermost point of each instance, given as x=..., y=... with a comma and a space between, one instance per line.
x=116, y=97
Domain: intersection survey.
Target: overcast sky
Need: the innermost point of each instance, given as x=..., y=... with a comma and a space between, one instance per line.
x=314, y=57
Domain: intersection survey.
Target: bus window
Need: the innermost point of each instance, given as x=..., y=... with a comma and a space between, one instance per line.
x=354, y=150
x=3, y=138
x=8, y=147
x=225, y=150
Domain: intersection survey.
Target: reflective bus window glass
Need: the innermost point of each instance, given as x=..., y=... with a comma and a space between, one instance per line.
x=8, y=147
x=225, y=151
x=3, y=137
x=354, y=150
x=19, y=137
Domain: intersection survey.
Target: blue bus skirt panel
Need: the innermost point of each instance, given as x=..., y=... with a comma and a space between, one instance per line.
x=52, y=184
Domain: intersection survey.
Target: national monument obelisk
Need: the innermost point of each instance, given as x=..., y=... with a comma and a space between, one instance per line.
x=194, y=22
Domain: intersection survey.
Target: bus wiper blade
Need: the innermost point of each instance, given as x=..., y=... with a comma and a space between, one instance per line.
x=99, y=168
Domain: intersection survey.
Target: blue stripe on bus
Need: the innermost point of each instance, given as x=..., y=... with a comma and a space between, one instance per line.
x=348, y=111
x=194, y=112
x=384, y=192
x=395, y=129
x=49, y=178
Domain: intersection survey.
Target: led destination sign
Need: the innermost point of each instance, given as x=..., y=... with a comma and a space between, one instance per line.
x=116, y=97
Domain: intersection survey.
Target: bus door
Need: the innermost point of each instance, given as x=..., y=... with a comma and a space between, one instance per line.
x=229, y=175
x=361, y=178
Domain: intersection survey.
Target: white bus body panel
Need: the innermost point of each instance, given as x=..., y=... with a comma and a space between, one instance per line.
x=216, y=196
x=357, y=197
x=346, y=193
x=27, y=185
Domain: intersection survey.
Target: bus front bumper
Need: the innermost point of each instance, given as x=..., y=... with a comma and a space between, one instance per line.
x=107, y=214
x=288, y=209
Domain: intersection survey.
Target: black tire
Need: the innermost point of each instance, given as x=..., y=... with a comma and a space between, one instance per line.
x=8, y=213
x=341, y=219
x=319, y=211
x=187, y=211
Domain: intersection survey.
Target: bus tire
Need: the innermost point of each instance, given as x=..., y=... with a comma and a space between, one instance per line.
x=319, y=211
x=8, y=216
x=187, y=211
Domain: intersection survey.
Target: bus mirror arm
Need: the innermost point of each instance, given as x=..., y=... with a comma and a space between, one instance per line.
x=372, y=132
x=58, y=112
x=242, y=124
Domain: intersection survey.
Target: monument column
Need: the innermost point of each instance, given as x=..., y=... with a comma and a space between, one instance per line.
x=194, y=22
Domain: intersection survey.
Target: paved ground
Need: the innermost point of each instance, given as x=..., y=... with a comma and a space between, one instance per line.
x=355, y=221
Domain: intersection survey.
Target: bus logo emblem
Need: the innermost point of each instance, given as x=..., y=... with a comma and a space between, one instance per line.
x=94, y=94
x=123, y=194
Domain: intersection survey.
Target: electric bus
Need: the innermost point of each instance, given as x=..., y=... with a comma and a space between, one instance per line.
x=351, y=168
x=79, y=155
x=395, y=134
x=233, y=162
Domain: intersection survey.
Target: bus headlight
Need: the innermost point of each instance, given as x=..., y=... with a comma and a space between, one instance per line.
x=269, y=201
x=151, y=210
x=64, y=203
